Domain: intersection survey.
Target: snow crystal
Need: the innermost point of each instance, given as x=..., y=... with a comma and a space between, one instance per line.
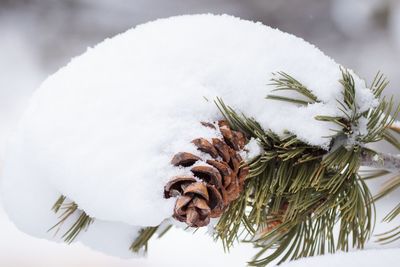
x=103, y=129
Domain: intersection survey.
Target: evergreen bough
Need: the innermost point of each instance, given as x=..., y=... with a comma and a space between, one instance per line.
x=300, y=200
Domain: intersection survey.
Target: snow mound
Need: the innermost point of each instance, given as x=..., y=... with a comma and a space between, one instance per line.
x=103, y=129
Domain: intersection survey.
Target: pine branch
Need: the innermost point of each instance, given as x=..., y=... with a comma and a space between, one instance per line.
x=381, y=161
x=315, y=235
x=296, y=194
x=379, y=118
x=300, y=190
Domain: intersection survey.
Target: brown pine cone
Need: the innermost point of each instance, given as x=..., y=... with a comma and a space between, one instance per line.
x=213, y=185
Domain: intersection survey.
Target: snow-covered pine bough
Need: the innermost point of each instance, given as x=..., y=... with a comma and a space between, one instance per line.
x=204, y=121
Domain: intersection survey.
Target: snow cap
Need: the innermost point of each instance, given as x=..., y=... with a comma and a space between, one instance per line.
x=103, y=129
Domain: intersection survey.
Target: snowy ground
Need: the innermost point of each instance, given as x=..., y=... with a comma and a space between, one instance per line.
x=22, y=69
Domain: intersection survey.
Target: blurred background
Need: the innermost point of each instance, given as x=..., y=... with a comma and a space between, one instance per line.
x=39, y=36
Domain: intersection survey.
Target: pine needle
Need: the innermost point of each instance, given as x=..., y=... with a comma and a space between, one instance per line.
x=67, y=211
x=389, y=187
x=389, y=236
x=141, y=242
x=146, y=234
x=284, y=82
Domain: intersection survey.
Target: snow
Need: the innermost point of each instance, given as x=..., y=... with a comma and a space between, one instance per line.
x=370, y=258
x=252, y=149
x=103, y=129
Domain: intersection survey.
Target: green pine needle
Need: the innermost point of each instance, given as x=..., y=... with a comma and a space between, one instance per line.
x=379, y=84
x=390, y=236
x=349, y=93
x=141, y=242
x=288, y=99
x=145, y=234
x=392, y=185
x=83, y=222
x=372, y=174
x=284, y=82
x=68, y=210
x=391, y=139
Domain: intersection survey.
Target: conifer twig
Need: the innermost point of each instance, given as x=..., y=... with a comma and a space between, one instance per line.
x=303, y=190
x=381, y=161
x=296, y=194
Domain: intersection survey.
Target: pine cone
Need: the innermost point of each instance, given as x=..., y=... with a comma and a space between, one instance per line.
x=213, y=185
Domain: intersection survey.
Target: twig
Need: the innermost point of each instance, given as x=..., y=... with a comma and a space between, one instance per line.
x=381, y=161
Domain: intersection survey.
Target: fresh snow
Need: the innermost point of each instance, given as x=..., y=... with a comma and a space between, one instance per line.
x=368, y=258
x=252, y=149
x=103, y=129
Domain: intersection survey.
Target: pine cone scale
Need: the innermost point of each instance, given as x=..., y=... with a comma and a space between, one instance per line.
x=175, y=186
x=208, y=174
x=197, y=189
x=224, y=170
x=181, y=203
x=216, y=202
x=184, y=159
x=206, y=147
x=229, y=138
x=223, y=149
